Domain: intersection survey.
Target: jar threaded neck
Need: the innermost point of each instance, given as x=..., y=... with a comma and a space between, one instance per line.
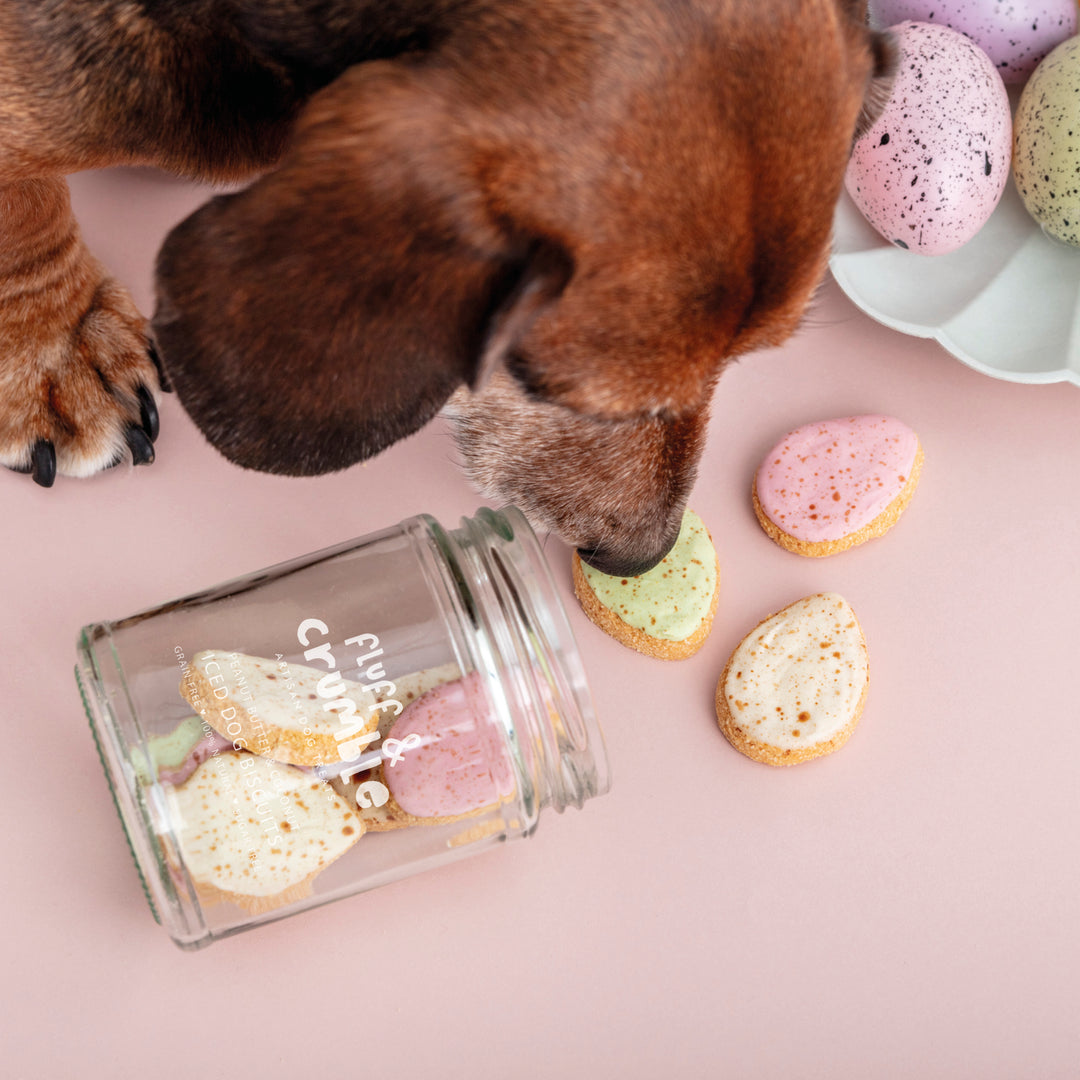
x=522, y=641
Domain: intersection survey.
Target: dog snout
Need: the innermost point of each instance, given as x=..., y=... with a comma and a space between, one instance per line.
x=615, y=491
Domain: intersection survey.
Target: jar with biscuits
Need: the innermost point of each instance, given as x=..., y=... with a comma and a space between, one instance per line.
x=340, y=721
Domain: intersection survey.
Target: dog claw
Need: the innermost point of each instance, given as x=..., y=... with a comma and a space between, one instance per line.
x=43, y=463
x=142, y=449
x=148, y=414
x=139, y=438
x=155, y=359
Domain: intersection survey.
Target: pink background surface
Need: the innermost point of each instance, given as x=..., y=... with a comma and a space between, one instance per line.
x=905, y=908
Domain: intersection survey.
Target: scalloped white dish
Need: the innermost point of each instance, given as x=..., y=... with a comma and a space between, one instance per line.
x=1007, y=303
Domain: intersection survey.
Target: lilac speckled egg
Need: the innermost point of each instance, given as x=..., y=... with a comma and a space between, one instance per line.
x=1015, y=34
x=932, y=168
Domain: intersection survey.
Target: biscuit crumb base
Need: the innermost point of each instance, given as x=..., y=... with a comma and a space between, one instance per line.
x=477, y=832
x=256, y=905
x=631, y=636
x=870, y=531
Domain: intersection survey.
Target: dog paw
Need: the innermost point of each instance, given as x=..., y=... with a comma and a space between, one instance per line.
x=78, y=384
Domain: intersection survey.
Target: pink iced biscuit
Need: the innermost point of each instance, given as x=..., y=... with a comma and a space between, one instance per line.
x=440, y=759
x=830, y=485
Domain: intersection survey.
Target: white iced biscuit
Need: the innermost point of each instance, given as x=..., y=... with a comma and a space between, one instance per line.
x=795, y=687
x=294, y=714
x=256, y=833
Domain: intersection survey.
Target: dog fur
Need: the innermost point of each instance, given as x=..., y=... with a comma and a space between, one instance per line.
x=556, y=218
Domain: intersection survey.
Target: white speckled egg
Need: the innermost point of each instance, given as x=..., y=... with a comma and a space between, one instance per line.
x=932, y=168
x=1015, y=34
x=1046, y=162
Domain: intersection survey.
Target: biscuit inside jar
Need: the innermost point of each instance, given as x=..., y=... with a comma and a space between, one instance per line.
x=257, y=832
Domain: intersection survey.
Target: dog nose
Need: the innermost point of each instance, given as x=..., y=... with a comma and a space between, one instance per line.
x=615, y=566
x=629, y=563
x=637, y=546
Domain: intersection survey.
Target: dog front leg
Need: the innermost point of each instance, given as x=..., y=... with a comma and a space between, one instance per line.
x=77, y=382
x=92, y=85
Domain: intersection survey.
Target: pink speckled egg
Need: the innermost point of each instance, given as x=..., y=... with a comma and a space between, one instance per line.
x=1016, y=34
x=931, y=169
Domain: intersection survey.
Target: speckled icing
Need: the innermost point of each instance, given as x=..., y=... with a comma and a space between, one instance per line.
x=933, y=166
x=1015, y=34
x=1047, y=160
x=823, y=481
x=797, y=679
x=255, y=827
x=457, y=764
x=669, y=601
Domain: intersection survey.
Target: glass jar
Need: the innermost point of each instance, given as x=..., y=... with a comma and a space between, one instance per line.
x=340, y=721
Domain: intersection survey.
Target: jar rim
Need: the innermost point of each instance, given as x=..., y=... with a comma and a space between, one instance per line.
x=524, y=640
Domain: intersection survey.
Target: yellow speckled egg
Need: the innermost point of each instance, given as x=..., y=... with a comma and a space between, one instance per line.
x=1046, y=154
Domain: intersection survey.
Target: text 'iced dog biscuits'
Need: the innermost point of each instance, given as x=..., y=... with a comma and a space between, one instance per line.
x=302, y=716
x=795, y=687
x=667, y=612
x=831, y=485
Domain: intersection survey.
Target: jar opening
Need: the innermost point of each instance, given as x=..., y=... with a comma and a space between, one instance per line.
x=521, y=639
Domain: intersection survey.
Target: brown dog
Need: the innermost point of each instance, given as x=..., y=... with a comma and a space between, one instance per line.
x=561, y=215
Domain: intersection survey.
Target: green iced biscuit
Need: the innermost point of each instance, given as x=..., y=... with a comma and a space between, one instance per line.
x=168, y=751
